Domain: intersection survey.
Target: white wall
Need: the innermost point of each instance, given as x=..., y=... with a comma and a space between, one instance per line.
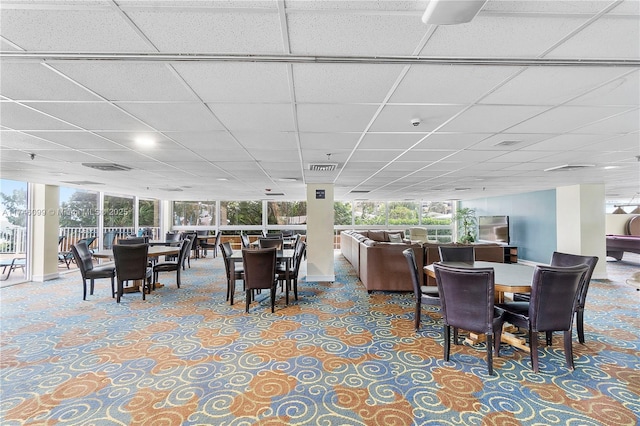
x=45, y=202
x=615, y=223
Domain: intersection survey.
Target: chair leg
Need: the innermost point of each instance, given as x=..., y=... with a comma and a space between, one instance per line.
x=549, y=337
x=580, y=324
x=84, y=289
x=113, y=291
x=92, y=286
x=447, y=342
x=273, y=298
x=178, y=278
x=533, y=347
x=120, y=291
x=568, y=349
x=456, y=340
x=247, y=300
x=490, y=354
x=417, y=316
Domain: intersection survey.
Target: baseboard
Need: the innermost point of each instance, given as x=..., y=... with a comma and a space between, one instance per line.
x=319, y=278
x=43, y=278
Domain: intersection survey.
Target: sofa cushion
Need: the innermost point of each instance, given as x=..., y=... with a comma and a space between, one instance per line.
x=378, y=236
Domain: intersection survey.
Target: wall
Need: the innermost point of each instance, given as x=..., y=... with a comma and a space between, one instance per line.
x=532, y=221
x=615, y=223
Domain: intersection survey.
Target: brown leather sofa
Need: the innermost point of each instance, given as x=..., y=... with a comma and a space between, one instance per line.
x=380, y=264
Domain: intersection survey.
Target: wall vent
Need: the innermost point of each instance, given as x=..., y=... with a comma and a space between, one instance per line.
x=323, y=167
x=107, y=167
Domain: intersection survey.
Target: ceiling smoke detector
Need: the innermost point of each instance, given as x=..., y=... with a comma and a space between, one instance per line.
x=107, y=167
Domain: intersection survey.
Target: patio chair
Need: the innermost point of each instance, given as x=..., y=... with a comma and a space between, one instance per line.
x=12, y=265
x=65, y=257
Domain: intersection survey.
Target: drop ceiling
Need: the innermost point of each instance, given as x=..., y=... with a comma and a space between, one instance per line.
x=241, y=96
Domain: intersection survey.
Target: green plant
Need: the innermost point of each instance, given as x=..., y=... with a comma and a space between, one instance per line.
x=466, y=219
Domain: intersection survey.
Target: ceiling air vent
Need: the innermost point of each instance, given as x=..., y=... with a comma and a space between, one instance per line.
x=82, y=182
x=568, y=167
x=171, y=189
x=107, y=167
x=507, y=143
x=323, y=167
x=273, y=194
x=359, y=191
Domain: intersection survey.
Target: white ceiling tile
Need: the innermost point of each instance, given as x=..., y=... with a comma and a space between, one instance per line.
x=20, y=117
x=354, y=33
x=219, y=156
x=424, y=155
x=93, y=29
x=563, y=142
x=565, y=118
x=375, y=155
x=450, y=141
x=494, y=118
x=255, y=117
x=343, y=83
x=210, y=30
x=249, y=82
x=274, y=140
x=447, y=84
x=621, y=123
x=171, y=155
x=328, y=141
x=24, y=141
x=389, y=140
x=123, y=81
x=608, y=37
x=77, y=140
x=33, y=81
x=622, y=91
x=334, y=118
x=174, y=116
x=91, y=115
x=221, y=140
x=500, y=36
x=550, y=85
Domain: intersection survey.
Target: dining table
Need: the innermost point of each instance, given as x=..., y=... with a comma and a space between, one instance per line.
x=508, y=278
x=285, y=256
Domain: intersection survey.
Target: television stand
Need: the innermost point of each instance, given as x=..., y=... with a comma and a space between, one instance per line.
x=510, y=254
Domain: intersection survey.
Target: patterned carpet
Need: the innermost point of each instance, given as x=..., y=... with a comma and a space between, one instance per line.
x=338, y=356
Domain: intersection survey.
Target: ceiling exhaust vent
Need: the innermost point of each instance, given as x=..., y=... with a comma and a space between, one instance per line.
x=82, y=182
x=323, y=167
x=359, y=191
x=273, y=194
x=107, y=167
x=171, y=189
x=568, y=167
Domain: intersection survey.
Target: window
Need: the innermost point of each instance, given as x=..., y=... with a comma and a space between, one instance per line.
x=404, y=213
x=13, y=227
x=194, y=213
x=342, y=213
x=240, y=213
x=149, y=217
x=370, y=213
x=287, y=212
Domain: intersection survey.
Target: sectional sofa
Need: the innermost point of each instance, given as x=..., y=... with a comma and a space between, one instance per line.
x=380, y=265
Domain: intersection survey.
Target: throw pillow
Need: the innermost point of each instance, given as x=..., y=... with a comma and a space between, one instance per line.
x=395, y=238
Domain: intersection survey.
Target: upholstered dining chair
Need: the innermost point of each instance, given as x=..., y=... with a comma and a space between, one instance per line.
x=554, y=296
x=260, y=273
x=131, y=265
x=108, y=238
x=244, y=240
x=206, y=245
x=132, y=240
x=456, y=253
x=566, y=259
x=467, y=302
x=185, y=246
x=194, y=246
x=88, y=271
x=270, y=242
x=298, y=258
x=424, y=295
x=227, y=251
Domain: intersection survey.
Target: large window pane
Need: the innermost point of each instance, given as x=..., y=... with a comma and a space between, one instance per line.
x=118, y=217
x=404, y=213
x=78, y=216
x=194, y=213
x=13, y=222
x=287, y=212
x=436, y=216
x=239, y=213
x=342, y=213
x=149, y=217
x=370, y=213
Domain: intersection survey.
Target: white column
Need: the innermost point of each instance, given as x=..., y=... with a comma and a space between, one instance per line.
x=320, y=262
x=580, y=215
x=45, y=202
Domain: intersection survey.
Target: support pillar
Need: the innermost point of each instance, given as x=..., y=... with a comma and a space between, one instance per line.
x=320, y=261
x=45, y=202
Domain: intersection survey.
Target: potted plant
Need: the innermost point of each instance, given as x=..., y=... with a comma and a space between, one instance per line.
x=466, y=219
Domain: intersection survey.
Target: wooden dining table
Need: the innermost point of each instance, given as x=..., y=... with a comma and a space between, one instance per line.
x=508, y=278
x=285, y=256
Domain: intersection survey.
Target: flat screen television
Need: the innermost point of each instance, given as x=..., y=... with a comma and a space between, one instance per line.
x=494, y=229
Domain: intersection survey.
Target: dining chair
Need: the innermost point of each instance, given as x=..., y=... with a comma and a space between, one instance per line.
x=88, y=271
x=169, y=266
x=132, y=240
x=206, y=245
x=194, y=246
x=298, y=257
x=554, y=296
x=456, y=253
x=108, y=238
x=260, y=273
x=270, y=242
x=227, y=251
x=131, y=265
x=244, y=240
x=467, y=303
x=566, y=259
x=424, y=295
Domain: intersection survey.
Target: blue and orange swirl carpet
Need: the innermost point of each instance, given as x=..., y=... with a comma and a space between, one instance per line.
x=337, y=356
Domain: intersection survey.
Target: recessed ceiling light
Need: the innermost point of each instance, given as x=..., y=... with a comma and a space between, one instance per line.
x=611, y=167
x=145, y=142
x=222, y=179
x=287, y=180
